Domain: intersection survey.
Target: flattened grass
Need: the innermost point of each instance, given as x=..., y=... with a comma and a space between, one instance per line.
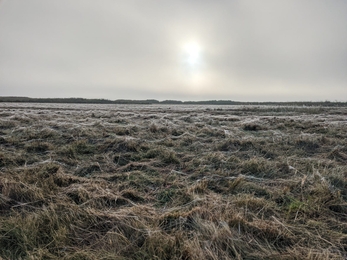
x=133, y=182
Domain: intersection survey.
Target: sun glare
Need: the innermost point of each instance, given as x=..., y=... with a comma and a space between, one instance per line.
x=193, y=64
x=192, y=54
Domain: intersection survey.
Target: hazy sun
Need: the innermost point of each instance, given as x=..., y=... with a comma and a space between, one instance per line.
x=192, y=54
x=194, y=65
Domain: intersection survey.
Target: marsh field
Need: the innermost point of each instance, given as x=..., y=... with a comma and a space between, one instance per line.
x=172, y=182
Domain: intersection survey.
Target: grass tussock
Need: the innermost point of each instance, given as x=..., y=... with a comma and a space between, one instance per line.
x=176, y=182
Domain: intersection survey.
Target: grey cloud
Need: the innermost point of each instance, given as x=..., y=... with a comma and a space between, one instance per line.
x=252, y=50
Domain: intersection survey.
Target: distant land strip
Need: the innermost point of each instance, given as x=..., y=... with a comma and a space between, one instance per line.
x=169, y=102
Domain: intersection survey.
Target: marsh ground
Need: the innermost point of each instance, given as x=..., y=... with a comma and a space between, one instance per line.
x=172, y=182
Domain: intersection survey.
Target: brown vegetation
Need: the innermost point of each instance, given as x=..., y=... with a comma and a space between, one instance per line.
x=172, y=182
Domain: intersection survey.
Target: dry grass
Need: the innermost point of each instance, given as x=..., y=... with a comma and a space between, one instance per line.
x=172, y=182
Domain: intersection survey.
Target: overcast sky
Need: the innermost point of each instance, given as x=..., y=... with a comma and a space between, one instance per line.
x=247, y=50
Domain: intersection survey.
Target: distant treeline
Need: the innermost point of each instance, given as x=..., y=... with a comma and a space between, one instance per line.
x=169, y=102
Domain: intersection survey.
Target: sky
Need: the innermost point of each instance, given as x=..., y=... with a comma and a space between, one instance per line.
x=244, y=50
